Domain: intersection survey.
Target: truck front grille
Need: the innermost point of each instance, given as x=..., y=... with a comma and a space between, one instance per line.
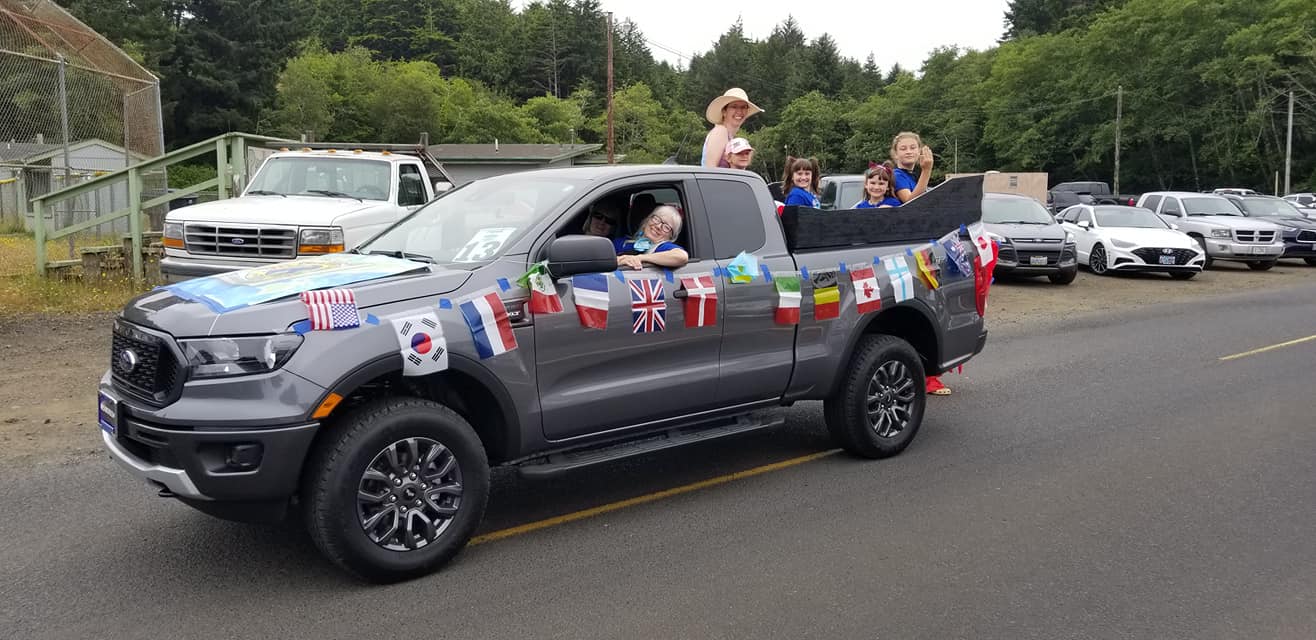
x=1153, y=256
x=1259, y=237
x=240, y=241
x=142, y=364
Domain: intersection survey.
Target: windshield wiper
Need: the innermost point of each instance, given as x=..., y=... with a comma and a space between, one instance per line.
x=418, y=257
x=334, y=194
x=1021, y=222
x=263, y=192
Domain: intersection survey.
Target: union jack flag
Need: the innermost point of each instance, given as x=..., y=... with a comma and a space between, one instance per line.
x=331, y=309
x=648, y=306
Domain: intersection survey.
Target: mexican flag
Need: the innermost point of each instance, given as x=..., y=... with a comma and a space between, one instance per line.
x=826, y=296
x=543, y=293
x=788, y=298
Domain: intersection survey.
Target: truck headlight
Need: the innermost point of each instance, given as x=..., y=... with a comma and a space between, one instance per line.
x=1220, y=233
x=320, y=240
x=173, y=235
x=222, y=357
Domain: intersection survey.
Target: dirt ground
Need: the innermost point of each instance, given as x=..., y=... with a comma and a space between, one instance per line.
x=53, y=362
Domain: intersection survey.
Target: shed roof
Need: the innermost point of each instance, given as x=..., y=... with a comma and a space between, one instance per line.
x=32, y=152
x=514, y=153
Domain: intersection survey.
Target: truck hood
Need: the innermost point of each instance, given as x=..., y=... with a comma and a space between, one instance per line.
x=216, y=305
x=274, y=210
x=1027, y=232
x=1234, y=222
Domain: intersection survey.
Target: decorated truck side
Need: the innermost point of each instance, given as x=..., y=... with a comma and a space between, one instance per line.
x=373, y=390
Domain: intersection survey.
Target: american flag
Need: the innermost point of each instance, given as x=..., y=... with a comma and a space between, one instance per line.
x=331, y=309
x=648, y=306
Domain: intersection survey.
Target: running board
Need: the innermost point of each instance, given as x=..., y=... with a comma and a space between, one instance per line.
x=556, y=463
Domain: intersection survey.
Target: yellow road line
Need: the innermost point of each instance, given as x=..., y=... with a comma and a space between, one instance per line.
x=651, y=497
x=1270, y=348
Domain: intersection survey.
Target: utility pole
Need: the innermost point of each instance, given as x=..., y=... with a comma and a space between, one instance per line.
x=1119, y=115
x=1288, y=149
x=612, y=158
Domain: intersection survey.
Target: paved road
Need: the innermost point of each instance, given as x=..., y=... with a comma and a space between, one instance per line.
x=1107, y=479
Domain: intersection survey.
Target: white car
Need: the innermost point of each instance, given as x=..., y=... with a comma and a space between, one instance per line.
x=1115, y=238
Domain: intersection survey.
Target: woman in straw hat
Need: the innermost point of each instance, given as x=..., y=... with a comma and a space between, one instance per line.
x=727, y=112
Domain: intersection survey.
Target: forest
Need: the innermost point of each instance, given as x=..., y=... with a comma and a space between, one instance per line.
x=1204, y=85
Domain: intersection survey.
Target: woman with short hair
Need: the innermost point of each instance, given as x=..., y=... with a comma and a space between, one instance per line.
x=655, y=242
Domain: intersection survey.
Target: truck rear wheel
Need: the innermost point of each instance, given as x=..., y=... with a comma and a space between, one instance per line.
x=396, y=489
x=878, y=408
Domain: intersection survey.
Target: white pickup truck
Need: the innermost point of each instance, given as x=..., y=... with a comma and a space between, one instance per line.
x=299, y=203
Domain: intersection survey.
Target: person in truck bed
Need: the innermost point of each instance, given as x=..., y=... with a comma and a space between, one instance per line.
x=879, y=188
x=655, y=243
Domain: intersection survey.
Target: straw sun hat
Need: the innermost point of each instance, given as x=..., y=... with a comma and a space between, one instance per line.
x=714, y=111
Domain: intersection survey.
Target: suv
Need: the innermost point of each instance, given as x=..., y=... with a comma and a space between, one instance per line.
x=377, y=407
x=1299, y=231
x=299, y=203
x=1032, y=242
x=1219, y=226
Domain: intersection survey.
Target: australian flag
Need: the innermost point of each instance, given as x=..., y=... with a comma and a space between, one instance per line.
x=648, y=306
x=331, y=309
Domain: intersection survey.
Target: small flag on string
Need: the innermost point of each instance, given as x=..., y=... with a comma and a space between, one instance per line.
x=491, y=329
x=986, y=251
x=788, y=298
x=648, y=305
x=982, y=281
x=700, y=300
x=420, y=341
x=957, y=257
x=330, y=309
x=591, y=298
x=927, y=267
x=742, y=268
x=868, y=296
x=902, y=281
x=543, y=293
x=826, y=295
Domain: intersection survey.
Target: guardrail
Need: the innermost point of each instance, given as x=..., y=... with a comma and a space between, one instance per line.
x=230, y=149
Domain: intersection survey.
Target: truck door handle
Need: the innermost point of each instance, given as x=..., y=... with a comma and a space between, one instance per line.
x=680, y=293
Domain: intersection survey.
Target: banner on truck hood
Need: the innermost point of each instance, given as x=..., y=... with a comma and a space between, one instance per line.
x=237, y=289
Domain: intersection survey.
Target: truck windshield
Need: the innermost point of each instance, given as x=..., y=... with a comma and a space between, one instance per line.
x=1264, y=206
x=324, y=177
x=1014, y=211
x=475, y=224
x=1217, y=206
x=1134, y=217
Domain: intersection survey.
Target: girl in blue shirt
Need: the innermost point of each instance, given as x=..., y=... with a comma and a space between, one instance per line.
x=907, y=151
x=878, y=188
x=803, y=181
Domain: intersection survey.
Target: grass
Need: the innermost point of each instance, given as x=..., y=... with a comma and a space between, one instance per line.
x=22, y=291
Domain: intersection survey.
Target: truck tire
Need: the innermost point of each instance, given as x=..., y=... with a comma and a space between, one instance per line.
x=1261, y=265
x=1207, y=262
x=395, y=489
x=1310, y=261
x=1065, y=276
x=878, y=408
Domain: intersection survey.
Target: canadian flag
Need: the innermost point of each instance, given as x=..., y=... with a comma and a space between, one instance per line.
x=986, y=252
x=868, y=296
x=700, y=301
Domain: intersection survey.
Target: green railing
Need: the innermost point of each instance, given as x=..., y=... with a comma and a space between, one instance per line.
x=230, y=152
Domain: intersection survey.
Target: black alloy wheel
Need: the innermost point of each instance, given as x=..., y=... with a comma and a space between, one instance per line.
x=1097, y=261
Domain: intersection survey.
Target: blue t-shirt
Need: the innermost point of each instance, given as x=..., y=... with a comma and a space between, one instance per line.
x=888, y=201
x=801, y=198
x=627, y=245
x=905, y=180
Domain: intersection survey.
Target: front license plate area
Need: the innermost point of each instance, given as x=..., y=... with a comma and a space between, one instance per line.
x=107, y=413
x=1037, y=261
x=1167, y=259
x=1258, y=251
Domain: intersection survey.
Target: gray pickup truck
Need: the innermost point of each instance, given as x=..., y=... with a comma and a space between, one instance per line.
x=379, y=414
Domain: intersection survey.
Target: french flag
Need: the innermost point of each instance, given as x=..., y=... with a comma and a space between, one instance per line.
x=490, y=328
x=591, y=295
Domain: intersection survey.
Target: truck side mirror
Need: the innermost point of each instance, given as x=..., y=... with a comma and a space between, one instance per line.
x=570, y=255
x=441, y=186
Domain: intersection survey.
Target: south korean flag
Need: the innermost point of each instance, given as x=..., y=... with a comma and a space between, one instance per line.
x=422, y=345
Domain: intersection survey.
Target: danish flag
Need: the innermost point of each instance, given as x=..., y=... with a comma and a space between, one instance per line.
x=701, y=300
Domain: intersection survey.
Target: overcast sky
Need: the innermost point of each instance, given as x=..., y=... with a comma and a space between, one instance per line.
x=893, y=32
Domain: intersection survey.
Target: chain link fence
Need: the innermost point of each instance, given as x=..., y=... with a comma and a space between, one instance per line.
x=72, y=106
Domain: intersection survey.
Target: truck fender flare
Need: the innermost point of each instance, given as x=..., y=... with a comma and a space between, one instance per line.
x=861, y=328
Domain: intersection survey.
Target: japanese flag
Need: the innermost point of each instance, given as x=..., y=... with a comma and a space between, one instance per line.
x=420, y=341
x=986, y=254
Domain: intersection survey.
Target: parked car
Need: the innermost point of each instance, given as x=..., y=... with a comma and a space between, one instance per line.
x=1234, y=191
x=1032, y=242
x=841, y=191
x=222, y=395
x=1219, y=227
x=299, y=203
x=1114, y=238
x=1299, y=231
x=1305, y=202
x=1067, y=194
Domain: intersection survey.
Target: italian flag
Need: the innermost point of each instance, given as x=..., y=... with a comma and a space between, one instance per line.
x=788, y=298
x=543, y=293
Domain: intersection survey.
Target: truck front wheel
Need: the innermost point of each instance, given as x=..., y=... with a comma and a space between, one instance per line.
x=878, y=408
x=395, y=489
